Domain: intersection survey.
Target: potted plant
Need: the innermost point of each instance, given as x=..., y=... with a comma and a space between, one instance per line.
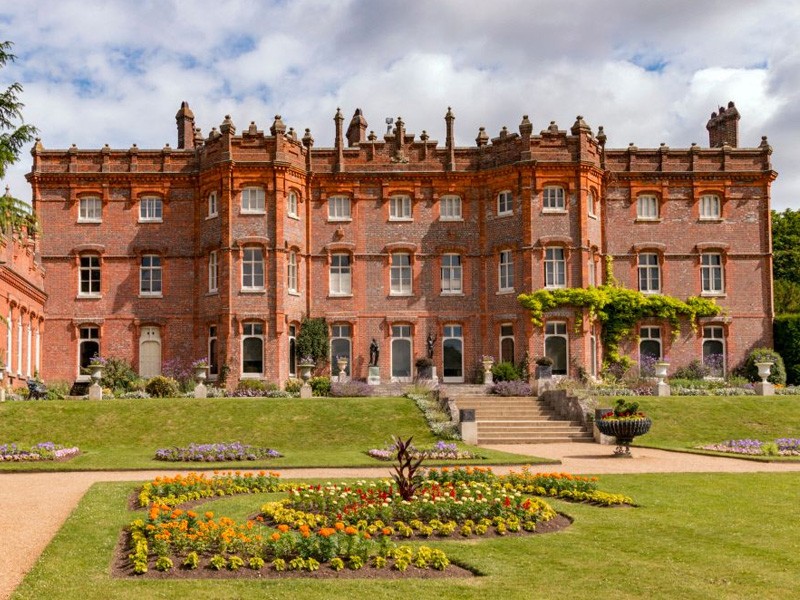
x=96, y=365
x=306, y=364
x=624, y=422
x=764, y=369
x=544, y=367
x=341, y=362
x=200, y=367
x=661, y=369
x=424, y=366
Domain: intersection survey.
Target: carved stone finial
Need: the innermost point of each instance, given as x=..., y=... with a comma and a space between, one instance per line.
x=278, y=126
x=252, y=129
x=227, y=126
x=579, y=126
x=483, y=137
x=525, y=126
x=601, y=136
x=308, y=141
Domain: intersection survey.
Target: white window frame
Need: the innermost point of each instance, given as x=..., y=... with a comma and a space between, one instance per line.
x=647, y=208
x=213, y=205
x=557, y=329
x=252, y=329
x=555, y=267
x=708, y=269
x=341, y=331
x=554, y=199
x=151, y=209
x=450, y=208
x=650, y=333
x=401, y=276
x=292, y=350
x=291, y=272
x=291, y=205
x=340, y=277
x=90, y=209
x=213, y=349
x=90, y=273
x=86, y=333
x=590, y=204
x=592, y=268
x=150, y=264
x=452, y=274
x=715, y=333
x=339, y=208
x=252, y=257
x=400, y=208
x=649, y=272
x=710, y=207
x=505, y=203
x=505, y=271
x=253, y=200
x=213, y=272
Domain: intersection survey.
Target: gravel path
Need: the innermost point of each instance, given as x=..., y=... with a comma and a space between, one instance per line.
x=33, y=506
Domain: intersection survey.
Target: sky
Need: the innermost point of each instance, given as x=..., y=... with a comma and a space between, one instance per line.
x=115, y=72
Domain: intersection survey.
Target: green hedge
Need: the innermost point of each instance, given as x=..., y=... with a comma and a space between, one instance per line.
x=786, y=329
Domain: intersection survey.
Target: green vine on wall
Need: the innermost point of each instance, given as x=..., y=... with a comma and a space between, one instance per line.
x=619, y=309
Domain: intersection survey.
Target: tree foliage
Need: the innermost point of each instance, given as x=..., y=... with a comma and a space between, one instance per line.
x=14, y=134
x=786, y=245
x=313, y=339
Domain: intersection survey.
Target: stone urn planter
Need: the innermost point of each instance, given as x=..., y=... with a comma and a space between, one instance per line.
x=764, y=370
x=201, y=373
x=305, y=370
x=661, y=368
x=341, y=362
x=96, y=371
x=488, y=363
x=624, y=423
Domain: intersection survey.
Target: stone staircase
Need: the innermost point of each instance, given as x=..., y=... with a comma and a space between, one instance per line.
x=515, y=420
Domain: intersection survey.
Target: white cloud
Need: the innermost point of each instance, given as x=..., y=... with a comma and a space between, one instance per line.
x=115, y=71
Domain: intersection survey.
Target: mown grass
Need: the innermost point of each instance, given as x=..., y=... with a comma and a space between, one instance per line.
x=699, y=536
x=124, y=434
x=685, y=422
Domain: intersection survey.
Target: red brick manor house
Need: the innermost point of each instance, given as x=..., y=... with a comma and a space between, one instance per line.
x=219, y=247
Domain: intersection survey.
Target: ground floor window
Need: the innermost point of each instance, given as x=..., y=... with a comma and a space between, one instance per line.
x=292, y=350
x=401, y=352
x=150, y=352
x=714, y=350
x=453, y=354
x=556, y=344
x=649, y=350
x=88, y=345
x=253, y=349
x=341, y=346
x=213, y=360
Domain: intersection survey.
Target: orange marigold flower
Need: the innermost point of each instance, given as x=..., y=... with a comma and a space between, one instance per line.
x=367, y=536
x=191, y=514
x=209, y=515
x=339, y=526
x=283, y=528
x=386, y=531
x=327, y=532
x=350, y=530
x=275, y=536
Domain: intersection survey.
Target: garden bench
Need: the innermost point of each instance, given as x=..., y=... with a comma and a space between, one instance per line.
x=36, y=389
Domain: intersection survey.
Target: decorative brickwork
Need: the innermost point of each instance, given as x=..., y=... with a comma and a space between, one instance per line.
x=394, y=237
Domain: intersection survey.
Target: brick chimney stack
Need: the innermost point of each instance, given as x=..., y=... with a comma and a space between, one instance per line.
x=356, y=132
x=185, y=119
x=723, y=127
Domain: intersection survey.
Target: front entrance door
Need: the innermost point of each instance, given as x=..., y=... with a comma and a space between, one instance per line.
x=401, y=353
x=150, y=352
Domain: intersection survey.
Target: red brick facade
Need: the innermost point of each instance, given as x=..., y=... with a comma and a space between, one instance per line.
x=22, y=300
x=434, y=240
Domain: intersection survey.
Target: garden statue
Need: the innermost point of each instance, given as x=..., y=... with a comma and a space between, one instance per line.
x=429, y=343
x=373, y=353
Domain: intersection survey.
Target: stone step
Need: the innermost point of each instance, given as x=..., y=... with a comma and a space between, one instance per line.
x=499, y=441
x=526, y=425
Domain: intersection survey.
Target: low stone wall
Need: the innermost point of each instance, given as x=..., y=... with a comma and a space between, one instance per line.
x=568, y=406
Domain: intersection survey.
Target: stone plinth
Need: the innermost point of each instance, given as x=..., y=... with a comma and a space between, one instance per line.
x=95, y=392
x=305, y=391
x=663, y=389
x=374, y=377
x=765, y=388
x=200, y=390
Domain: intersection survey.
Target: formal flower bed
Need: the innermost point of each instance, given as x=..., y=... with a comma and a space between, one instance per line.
x=438, y=420
x=439, y=451
x=41, y=451
x=339, y=527
x=215, y=452
x=171, y=491
x=780, y=447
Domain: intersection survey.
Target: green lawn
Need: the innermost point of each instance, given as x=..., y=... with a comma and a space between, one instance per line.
x=684, y=422
x=124, y=434
x=693, y=536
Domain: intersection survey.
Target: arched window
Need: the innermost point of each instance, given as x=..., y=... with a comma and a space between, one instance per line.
x=507, y=342
x=252, y=349
x=556, y=346
x=88, y=345
x=649, y=350
x=453, y=354
x=291, y=204
x=714, y=350
x=341, y=346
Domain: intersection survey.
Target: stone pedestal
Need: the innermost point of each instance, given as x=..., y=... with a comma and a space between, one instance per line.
x=305, y=391
x=542, y=385
x=95, y=392
x=434, y=375
x=765, y=388
x=200, y=390
x=663, y=389
x=374, y=377
x=488, y=378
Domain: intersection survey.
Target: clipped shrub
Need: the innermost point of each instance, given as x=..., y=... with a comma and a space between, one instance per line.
x=293, y=385
x=778, y=371
x=162, y=387
x=320, y=386
x=694, y=370
x=118, y=375
x=313, y=339
x=512, y=388
x=505, y=371
x=350, y=389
